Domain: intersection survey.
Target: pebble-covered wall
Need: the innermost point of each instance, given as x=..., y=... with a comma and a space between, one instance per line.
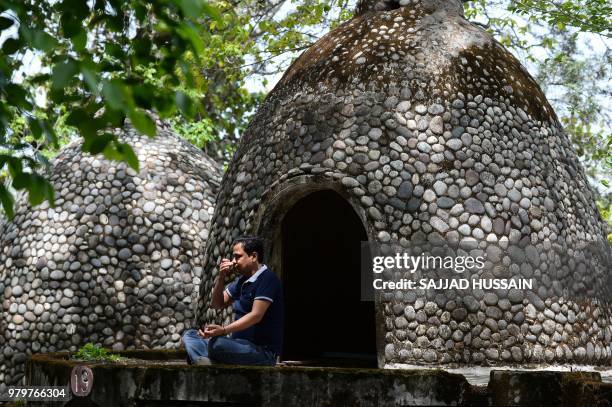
x=117, y=262
x=436, y=132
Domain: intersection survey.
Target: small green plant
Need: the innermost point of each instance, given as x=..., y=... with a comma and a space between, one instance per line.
x=605, y=208
x=89, y=351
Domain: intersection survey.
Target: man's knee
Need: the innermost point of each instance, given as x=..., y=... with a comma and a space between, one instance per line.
x=218, y=345
x=189, y=334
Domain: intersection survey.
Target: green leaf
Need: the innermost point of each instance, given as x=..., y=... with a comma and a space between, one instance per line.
x=39, y=79
x=112, y=118
x=122, y=152
x=4, y=158
x=16, y=96
x=142, y=122
x=15, y=166
x=78, y=9
x=76, y=116
x=144, y=95
x=10, y=46
x=79, y=40
x=71, y=26
x=91, y=352
x=40, y=190
x=116, y=94
x=115, y=22
x=35, y=127
x=63, y=73
x=82, y=120
x=115, y=50
x=191, y=8
x=140, y=11
x=97, y=144
x=22, y=180
x=189, y=33
x=50, y=134
x=164, y=105
x=111, y=153
x=185, y=104
x=187, y=74
x=7, y=201
x=128, y=155
x=91, y=78
x=42, y=159
x=5, y=23
x=43, y=41
x=142, y=49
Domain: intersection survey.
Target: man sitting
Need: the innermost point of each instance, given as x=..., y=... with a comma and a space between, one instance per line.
x=257, y=298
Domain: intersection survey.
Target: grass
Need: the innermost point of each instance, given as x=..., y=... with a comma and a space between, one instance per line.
x=92, y=352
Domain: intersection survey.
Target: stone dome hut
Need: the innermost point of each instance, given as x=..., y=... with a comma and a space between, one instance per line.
x=409, y=124
x=117, y=262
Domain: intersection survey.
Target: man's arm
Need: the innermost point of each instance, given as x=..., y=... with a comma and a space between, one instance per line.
x=220, y=297
x=248, y=320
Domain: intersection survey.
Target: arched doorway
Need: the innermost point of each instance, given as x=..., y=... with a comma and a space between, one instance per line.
x=326, y=323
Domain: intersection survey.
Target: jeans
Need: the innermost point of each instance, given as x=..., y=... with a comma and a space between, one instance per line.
x=222, y=349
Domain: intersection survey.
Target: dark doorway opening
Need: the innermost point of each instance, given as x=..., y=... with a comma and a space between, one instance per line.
x=326, y=323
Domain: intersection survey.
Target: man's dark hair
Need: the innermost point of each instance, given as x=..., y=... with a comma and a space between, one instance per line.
x=251, y=244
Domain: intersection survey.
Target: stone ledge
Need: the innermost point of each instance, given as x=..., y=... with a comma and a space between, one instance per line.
x=150, y=378
x=520, y=388
x=161, y=377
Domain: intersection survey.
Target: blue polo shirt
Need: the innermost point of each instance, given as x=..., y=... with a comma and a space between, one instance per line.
x=263, y=285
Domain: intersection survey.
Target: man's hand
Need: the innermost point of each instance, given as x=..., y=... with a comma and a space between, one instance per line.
x=211, y=331
x=220, y=297
x=226, y=267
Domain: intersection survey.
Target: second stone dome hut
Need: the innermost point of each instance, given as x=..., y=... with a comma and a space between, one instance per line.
x=117, y=261
x=409, y=124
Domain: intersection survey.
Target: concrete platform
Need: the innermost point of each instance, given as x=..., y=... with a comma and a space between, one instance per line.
x=162, y=378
